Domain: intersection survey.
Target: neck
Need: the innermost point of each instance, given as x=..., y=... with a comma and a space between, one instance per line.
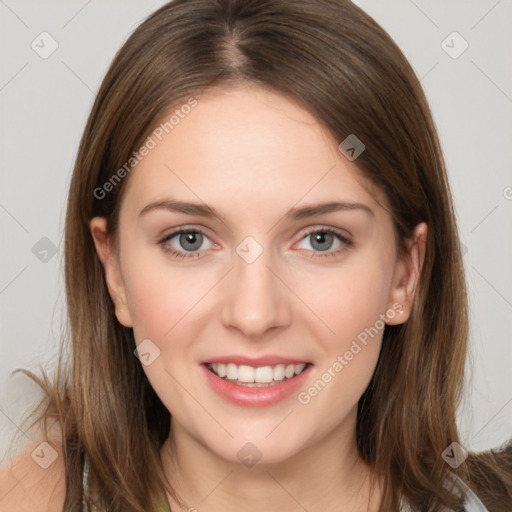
x=326, y=476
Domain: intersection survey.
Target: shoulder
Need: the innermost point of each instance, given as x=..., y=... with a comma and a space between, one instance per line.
x=471, y=501
x=35, y=480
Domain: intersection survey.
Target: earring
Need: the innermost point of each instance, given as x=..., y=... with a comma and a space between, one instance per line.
x=401, y=310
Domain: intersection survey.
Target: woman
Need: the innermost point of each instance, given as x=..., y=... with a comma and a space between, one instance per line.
x=250, y=370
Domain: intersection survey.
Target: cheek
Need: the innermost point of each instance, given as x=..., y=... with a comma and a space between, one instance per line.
x=161, y=302
x=350, y=299
x=158, y=297
x=352, y=306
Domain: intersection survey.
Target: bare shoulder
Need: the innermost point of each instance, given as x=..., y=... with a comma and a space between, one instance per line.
x=35, y=480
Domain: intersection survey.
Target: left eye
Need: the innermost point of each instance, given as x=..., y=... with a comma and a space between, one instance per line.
x=192, y=240
x=322, y=240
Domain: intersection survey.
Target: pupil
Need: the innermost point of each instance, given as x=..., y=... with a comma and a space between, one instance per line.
x=320, y=237
x=189, y=238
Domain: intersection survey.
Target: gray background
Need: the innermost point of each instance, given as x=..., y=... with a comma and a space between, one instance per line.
x=45, y=103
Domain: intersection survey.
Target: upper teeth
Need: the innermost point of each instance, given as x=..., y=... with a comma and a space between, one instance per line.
x=261, y=374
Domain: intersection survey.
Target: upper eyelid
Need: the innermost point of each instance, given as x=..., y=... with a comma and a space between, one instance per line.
x=339, y=231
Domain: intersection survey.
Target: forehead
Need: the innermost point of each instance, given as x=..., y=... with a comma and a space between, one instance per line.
x=245, y=148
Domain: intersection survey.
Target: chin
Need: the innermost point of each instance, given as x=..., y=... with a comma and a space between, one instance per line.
x=251, y=450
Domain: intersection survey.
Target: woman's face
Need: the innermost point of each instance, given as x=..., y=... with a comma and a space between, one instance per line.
x=262, y=287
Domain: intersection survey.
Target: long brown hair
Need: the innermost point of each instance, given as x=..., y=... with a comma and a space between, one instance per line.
x=347, y=71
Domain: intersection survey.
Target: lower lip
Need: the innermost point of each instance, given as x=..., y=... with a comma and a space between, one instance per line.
x=252, y=396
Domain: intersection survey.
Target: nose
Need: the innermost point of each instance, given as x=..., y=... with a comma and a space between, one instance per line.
x=255, y=297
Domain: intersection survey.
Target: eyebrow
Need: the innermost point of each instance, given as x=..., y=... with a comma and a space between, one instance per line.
x=303, y=212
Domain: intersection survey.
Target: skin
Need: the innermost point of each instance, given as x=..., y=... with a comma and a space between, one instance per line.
x=253, y=154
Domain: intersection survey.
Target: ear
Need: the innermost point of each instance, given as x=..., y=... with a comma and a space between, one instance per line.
x=113, y=277
x=406, y=275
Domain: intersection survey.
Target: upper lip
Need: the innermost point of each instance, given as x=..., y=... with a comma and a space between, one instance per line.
x=269, y=360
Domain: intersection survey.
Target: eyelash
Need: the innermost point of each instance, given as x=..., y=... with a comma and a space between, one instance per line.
x=191, y=255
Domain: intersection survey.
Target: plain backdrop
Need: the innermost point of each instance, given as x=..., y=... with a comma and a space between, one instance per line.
x=45, y=100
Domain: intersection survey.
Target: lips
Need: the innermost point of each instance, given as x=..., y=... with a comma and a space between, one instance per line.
x=255, y=395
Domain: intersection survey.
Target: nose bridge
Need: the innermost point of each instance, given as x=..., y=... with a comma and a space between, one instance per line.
x=255, y=300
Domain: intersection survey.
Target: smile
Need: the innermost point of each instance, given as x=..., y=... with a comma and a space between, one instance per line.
x=259, y=386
